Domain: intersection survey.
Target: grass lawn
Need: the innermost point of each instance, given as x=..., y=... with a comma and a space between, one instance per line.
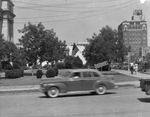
x=32, y=80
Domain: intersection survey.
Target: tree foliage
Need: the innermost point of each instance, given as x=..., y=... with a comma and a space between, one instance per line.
x=54, y=48
x=2, y=47
x=7, y=50
x=103, y=47
x=31, y=41
x=68, y=61
x=42, y=44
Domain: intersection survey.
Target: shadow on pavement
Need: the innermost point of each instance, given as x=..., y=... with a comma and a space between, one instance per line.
x=79, y=95
x=145, y=100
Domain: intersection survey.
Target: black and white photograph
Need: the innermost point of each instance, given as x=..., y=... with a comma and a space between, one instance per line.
x=74, y=58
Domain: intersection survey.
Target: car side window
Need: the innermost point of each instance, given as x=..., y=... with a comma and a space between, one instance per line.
x=87, y=74
x=75, y=75
x=95, y=74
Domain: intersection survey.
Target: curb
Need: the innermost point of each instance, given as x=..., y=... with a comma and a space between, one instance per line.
x=135, y=84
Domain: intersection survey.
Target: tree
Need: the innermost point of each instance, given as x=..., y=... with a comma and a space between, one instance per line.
x=10, y=50
x=41, y=44
x=19, y=57
x=68, y=61
x=31, y=40
x=7, y=50
x=121, y=52
x=55, y=49
x=2, y=48
x=102, y=47
x=148, y=57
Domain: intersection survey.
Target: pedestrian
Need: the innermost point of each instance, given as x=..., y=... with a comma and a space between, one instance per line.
x=131, y=68
x=136, y=68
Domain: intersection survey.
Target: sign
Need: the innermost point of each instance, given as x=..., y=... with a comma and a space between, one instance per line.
x=101, y=64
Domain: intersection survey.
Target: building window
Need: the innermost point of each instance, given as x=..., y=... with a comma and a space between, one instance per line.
x=125, y=27
x=144, y=27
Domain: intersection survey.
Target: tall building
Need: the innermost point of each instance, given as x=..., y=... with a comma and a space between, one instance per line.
x=8, y=19
x=1, y=16
x=134, y=34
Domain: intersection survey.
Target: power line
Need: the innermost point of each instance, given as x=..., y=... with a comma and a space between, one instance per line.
x=57, y=6
x=85, y=16
x=83, y=12
x=68, y=4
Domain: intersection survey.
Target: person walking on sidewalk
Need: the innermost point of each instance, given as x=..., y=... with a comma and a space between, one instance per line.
x=136, y=68
x=131, y=68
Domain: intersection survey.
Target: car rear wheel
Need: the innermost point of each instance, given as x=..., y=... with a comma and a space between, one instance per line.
x=101, y=89
x=53, y=92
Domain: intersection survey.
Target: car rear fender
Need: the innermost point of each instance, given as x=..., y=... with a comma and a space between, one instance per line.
x=108, y=85
x=60, y=86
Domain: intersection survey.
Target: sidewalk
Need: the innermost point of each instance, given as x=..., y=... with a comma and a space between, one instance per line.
x=131, y=83
x=138, y=74
x=119, y=84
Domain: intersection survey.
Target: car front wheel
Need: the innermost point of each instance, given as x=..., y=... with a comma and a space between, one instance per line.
x=53, y=92
x=101, y=89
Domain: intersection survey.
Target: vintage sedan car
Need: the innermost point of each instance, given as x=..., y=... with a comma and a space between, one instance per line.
x=145, y=85
x=77, y=80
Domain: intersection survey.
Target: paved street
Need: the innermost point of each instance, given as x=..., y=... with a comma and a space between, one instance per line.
x=122, y=102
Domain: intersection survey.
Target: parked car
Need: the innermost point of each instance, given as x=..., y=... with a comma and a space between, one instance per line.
x=145, y=85
x=77, y=80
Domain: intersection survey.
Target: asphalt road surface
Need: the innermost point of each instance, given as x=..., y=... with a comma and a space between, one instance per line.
x=122, y=102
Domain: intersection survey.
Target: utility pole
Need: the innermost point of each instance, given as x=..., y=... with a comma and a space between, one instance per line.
x=1, y=21
x=1, y=17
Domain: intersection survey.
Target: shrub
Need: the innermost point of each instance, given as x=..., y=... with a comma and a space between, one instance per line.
x=56, y=70
x=22, y=72
x=68, y=65
x=61, y=65
x=39, y=74
x=17, y=73
x=50, y=73
x=77, y=63
x=4, y=64
x=8, y=67
x=16, y=65
x=105, y=68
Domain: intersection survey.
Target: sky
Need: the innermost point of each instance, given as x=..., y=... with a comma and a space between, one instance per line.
x=76, y=20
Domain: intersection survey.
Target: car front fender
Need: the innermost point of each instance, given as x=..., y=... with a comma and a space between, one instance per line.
x=62, y=87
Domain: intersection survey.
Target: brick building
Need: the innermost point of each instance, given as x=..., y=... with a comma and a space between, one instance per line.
x=134, y=34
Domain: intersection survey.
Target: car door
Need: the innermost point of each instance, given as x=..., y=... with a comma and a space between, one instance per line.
x=74, y=82
x=88, y=80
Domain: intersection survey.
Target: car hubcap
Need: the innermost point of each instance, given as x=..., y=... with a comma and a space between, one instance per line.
x=101, y=90
x=53, y=92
